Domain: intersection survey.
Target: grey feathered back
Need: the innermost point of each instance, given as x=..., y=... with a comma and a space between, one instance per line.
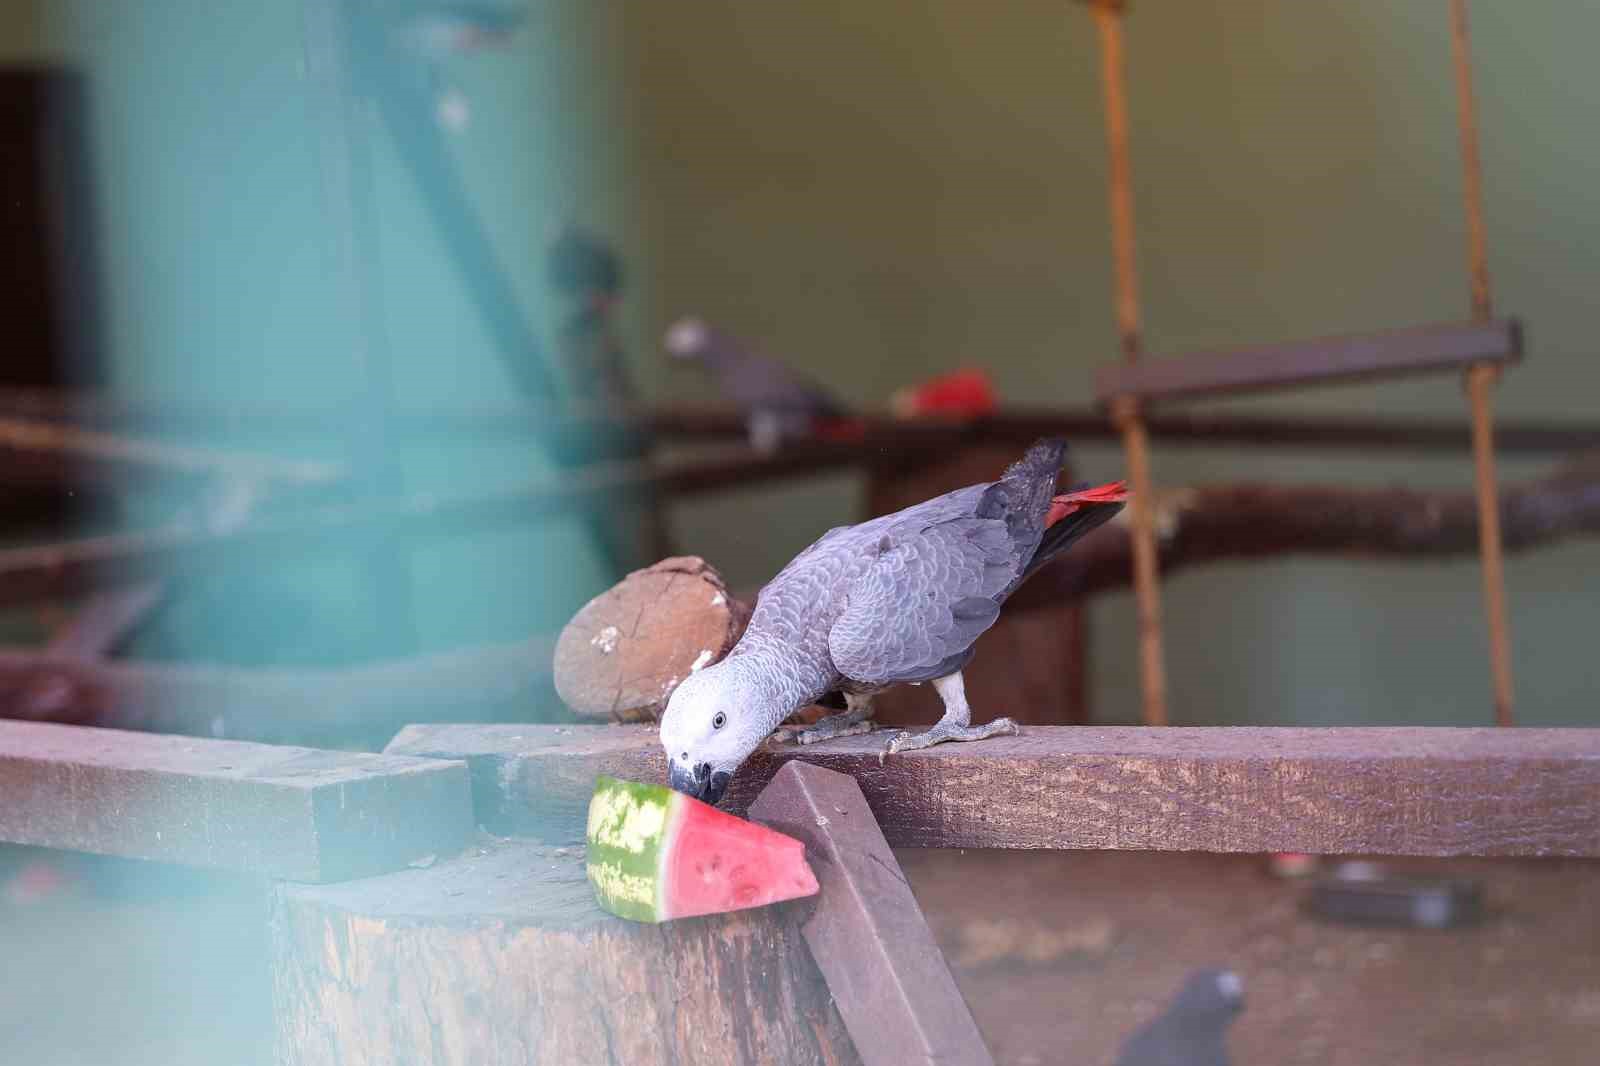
x=904, y=597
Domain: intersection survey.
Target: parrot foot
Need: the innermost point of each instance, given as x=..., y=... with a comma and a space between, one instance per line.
x=949, y=731
x=844, y=724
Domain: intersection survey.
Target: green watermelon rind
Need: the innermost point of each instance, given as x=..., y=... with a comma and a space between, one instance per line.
x=629, y=836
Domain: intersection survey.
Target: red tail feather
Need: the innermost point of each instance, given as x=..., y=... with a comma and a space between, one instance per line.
x=1068, y=503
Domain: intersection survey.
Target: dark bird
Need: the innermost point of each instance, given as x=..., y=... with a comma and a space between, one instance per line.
x=1194, y=1029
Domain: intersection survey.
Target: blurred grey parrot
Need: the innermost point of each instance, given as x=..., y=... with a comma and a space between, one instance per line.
x=778, y=403
x=896, y=600
x=1194, y=1029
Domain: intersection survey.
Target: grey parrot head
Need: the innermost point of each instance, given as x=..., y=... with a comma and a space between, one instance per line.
x=711, y=726
x=687, y=338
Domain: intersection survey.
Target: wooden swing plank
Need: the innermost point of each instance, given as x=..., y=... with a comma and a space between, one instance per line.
x=1453, y=346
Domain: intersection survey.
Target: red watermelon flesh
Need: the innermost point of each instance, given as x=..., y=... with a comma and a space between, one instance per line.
x=717, y=862
x=655, y=854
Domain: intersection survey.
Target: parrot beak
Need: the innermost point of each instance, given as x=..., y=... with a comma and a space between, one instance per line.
x=701, y=782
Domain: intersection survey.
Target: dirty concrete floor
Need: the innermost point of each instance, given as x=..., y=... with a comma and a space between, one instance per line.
x=1060, y=955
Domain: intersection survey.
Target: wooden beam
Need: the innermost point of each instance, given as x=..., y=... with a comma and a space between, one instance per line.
x=296, y=814
x=100, y=626
x=865, y=930
x=1393, y=353
x=1399, y=791
x=59, y=569
x=491, y=682
x=1211, y=523
x=36, y=450
x=1016, y=425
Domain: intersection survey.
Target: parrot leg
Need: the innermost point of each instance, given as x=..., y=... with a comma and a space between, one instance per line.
x=857, y=718
x=956, y=723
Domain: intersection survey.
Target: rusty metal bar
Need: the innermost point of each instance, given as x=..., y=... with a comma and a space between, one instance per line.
x=1152, y=666
x=1481, y=378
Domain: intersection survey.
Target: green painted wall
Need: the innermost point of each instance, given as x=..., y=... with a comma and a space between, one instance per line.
x=883, y=190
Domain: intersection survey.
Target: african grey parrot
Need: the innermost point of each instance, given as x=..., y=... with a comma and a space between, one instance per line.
x=896, y=600
x=777, y=402
x=1193, y=1031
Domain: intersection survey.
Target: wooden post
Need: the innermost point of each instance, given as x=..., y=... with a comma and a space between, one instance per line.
x=501, y=957
x=866, y=932
x=1152, y=666
x=1481, y=378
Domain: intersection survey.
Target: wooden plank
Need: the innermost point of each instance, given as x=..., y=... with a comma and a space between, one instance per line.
x=60, y=454
x=297, y=814
x=870, y=940
x=493, y=682
x=100, y=626
x=1019, y=425
x=1396, y=352
x=45, y=570
x=1382, y=791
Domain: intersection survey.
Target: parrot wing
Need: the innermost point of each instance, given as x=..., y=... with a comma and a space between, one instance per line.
x=931, y=591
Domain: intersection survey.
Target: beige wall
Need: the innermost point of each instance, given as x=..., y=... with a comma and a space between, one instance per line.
x=882, y=190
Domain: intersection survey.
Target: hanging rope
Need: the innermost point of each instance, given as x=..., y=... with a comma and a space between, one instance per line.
x=1152, y=667
x=1481, y=379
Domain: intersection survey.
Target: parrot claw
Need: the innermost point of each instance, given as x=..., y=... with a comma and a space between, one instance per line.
x=947, y=731
x=846, y=724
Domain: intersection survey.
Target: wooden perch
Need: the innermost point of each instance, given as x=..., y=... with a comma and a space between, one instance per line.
x=1212, y=523
x=1017, y=425
x=622, y=655
x=1452, y=346
x=59, y=569
x=497, y=682
x=57, y=454
x=1375, y=791
x=1317, y=520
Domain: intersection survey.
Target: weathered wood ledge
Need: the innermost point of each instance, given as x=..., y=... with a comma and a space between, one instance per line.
x=1379, y=791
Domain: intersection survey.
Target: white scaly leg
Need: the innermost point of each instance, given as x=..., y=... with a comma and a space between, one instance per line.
x=956, y=723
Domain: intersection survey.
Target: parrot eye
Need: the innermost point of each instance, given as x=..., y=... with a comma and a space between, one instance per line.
x=719, y=721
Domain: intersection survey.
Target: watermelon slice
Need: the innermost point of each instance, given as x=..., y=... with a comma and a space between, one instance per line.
x=655, y=854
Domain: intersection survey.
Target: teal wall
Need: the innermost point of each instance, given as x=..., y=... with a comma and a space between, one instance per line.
x=221, y=286
x=884, y=190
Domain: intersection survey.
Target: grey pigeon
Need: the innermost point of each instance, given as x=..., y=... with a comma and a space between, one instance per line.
x=896, y=600
x=778, y=403
x=1194, y=1029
